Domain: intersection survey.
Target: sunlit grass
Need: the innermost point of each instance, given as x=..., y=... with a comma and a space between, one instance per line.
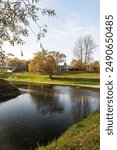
x=84, y=135
x=67, y=78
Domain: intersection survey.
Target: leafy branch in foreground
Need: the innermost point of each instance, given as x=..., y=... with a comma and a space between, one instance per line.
x=15, y=19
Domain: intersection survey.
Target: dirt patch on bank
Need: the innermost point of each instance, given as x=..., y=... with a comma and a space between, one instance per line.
x=7, y=90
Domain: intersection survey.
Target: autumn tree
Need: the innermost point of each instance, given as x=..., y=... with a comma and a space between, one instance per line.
x=76, y=65
x=93, y=66
x=15, y=62
x=4, y=57
x=84, y=48
x=96, y=66
x=46, y=62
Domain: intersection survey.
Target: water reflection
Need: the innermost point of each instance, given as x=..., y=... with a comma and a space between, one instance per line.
x=81, y=102
x=42, y=113
x=47, y=102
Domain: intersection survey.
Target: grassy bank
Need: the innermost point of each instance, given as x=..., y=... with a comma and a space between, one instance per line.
x=84, y=135
x=68, y=78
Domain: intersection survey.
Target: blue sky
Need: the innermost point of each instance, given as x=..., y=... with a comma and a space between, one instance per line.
x=75, y=18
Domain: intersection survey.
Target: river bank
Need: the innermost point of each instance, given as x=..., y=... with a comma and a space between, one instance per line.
x=56, y=84
x=84, y=135
x=7, y=90
x=85, y=80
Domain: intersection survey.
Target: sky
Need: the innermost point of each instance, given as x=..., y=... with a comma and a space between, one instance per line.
x=75, y=18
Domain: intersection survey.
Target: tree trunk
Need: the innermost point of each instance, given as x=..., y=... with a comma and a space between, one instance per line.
x=50, y=76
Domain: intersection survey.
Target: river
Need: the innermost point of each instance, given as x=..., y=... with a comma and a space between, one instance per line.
x=42, y=113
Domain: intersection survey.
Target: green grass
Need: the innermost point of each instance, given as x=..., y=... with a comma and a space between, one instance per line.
x=68, y=78
x=84, y=135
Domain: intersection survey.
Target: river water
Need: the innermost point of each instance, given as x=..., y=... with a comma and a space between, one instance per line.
x=41, y=114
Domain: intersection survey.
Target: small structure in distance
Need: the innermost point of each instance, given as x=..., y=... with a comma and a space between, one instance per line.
x=9, y=69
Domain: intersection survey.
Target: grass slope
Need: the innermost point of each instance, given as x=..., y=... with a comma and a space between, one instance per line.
x=67, y=78
x=84, y=135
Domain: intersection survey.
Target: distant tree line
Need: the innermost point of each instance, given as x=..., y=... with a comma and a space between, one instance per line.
x=21, y=64
x=76, y=65
x=8, y=59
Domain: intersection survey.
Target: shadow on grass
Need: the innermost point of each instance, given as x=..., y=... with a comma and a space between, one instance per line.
x=5, y=75
x=78, y=80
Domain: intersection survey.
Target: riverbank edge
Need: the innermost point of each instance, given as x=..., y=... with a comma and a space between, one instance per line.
x=84, y=135
x=8, y=90
x=56, y=84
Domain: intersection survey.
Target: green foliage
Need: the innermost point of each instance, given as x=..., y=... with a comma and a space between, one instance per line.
x=15, y=17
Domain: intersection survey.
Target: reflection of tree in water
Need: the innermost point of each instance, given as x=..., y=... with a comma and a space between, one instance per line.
x=81, y=104
x=48, y=99
x=81, y=108
x=47, y=102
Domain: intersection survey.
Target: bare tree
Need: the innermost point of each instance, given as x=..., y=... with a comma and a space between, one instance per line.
x=79, y=49
x=84, y=48
x=89, y=47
